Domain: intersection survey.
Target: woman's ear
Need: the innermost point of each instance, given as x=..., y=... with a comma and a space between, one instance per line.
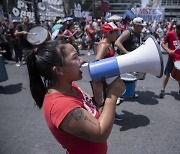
x=58, y=70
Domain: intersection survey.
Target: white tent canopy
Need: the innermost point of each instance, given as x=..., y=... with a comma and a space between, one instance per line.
x=115, y=17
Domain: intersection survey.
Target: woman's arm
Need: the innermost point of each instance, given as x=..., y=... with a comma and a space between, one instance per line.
x=80, y=123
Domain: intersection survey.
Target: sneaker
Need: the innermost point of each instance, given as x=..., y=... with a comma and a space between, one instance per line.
x=161, y=95
x=88, y=53
x=23, y=62
x=118, y=117
x=136, y=95
x=119, y=100
x=18, y=64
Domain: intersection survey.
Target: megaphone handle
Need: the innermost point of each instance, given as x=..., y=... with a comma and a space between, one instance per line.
x=104, y=93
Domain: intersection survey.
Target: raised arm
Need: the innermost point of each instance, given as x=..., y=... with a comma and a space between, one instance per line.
x=80, y=123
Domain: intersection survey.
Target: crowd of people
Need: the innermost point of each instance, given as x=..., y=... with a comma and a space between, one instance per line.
x=82, y=123
x=82, y=34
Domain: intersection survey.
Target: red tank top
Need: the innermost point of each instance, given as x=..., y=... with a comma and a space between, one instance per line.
x=111, y=52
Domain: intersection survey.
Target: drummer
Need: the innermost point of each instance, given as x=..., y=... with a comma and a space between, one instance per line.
x=172, y=38
x=21, y=34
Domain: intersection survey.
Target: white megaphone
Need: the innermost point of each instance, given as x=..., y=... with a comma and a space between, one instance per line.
x=147, y=58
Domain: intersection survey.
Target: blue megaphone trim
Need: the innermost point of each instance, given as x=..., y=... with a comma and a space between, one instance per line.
x=104, y=68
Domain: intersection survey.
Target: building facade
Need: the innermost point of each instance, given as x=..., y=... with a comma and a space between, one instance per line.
x=120, y=6
x=171, y=7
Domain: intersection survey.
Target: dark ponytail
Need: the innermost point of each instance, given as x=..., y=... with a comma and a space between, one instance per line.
x=37, y=86
x=40, y=64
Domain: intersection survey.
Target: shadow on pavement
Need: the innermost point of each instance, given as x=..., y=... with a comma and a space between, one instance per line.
x=11, y=89
x=174, y=94
x=145, y=98
x=131, y=121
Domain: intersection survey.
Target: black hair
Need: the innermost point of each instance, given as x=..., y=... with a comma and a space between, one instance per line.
x=68, y=26
x=40, y=67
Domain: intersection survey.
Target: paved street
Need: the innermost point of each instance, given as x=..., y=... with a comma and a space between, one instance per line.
x=150, y=125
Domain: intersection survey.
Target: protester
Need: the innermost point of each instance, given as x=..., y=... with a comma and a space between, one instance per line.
x=4, y=41
x=69, y=35
x=105, y=50
x=172, y=38
x=146, y=31
x=17, y=51
x=71, y=116
x=21, y=34
x=91, y=31
x=131, y=39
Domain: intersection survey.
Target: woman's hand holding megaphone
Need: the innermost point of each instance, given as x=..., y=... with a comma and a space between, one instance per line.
x=112, y=91
x=116, y=88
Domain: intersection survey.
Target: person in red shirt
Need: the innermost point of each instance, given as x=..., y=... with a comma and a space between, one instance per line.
x=69, y=35
x=91, y=31
x=71, y=115
x=172, y=38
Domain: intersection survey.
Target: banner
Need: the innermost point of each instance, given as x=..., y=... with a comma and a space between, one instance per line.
x=20, y=9
x=151, y=14
x=50, y=9
x=47, y=9
x=79, y=13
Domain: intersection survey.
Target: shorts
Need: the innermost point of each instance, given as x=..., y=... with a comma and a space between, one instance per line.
x=89, y=40
x=169, y=67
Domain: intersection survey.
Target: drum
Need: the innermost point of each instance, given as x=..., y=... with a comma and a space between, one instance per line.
x=3, y=73
x=175, y=73
x=38, y=35
x=130, y=83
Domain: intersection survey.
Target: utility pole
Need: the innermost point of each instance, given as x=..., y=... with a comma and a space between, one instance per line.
x=36, y=14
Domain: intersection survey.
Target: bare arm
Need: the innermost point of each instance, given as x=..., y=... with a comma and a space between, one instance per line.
x=81, y=123
x=17, y=33
x=102, y=51
x=123, y=37
x=171, y=52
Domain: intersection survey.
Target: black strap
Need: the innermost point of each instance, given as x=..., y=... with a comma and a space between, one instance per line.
x=104, y=92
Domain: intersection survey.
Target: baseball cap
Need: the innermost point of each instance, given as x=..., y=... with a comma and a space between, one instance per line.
x=139, y=21
x=106, y=28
